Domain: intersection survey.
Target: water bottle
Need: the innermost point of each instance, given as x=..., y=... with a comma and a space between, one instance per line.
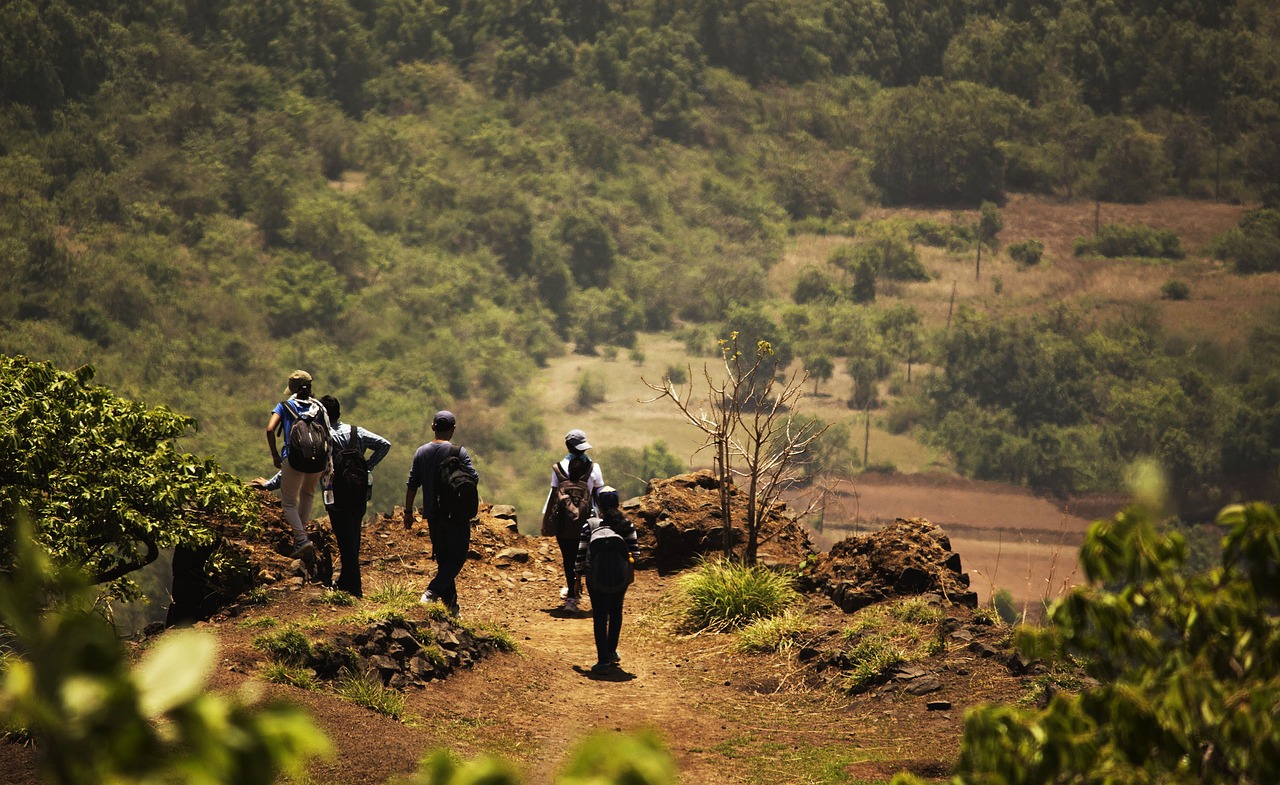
x=368, y=494
x=328, y=492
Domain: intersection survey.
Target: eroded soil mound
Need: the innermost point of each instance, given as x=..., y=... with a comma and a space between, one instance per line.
x=402, y=652
x=679, y=521
x=907, y=557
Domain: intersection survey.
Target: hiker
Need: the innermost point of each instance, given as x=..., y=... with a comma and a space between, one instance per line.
x=351, y=484
x=607, y=550
x=450, y=529
x=574, y=482
x=304, y=458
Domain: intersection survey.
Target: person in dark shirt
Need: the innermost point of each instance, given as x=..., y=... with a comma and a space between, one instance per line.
x=449, y=542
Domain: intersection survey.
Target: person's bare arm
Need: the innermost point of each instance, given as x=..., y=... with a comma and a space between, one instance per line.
x=409, y=496
x=272, y=425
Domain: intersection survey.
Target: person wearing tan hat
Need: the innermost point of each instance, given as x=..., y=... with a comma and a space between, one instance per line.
x=299, y=473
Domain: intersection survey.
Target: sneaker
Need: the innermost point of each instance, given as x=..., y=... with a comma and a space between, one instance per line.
x=305, y=551
x=454, y=610
x=429, y=597
x=564, y=592
x=571, y=604
x=614, y=658
x=602, y=667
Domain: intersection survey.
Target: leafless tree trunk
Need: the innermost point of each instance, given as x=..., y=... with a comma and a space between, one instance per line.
x=750, y=421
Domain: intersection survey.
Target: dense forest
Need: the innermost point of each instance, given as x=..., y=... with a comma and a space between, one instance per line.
x=422, y=202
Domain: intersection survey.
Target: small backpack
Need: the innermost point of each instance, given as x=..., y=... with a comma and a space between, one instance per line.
x=456, y=494
x=608, y=559
x=570, y=503
x=350, y=474
x=308, y=439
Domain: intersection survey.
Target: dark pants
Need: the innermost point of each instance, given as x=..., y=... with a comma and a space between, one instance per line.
x=346, y=530
x=606, y=619
x=569, y=554
x=449, y=545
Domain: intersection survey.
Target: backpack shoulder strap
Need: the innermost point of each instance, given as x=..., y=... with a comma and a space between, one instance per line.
x=455, y=451
x=560, y=473
x=354, y=437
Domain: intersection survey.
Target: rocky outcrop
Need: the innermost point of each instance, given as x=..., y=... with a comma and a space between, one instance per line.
x=679, y=522
x=907, y=557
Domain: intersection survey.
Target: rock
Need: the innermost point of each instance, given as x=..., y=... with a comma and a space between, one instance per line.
x=938, y=705
x=923, y=685
x=962, y=635
x=508, y=555
x=1018, y=664
x=503, y=512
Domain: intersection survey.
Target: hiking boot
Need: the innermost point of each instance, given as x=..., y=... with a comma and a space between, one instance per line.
x=306, y=551
x=429, y=597
x=602, y=667
x=571, y=604
x=454, y=610
x=614, y=658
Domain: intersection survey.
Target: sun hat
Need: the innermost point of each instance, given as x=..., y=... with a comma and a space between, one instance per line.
x=576, y=440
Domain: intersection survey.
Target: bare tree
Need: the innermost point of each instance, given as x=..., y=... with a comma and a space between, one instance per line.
x=750, y=422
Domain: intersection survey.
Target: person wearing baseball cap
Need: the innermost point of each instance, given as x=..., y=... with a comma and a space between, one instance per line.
x=574, y=483
x=449, y=544
x=298, y=480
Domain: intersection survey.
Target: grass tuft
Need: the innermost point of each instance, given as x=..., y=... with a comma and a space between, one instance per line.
x=337, y=597
x=884, y=636
x=774, y=633
x=365, y=689
x=288, y=647
x=394, y=595
x=283, y=673
x=725, y=596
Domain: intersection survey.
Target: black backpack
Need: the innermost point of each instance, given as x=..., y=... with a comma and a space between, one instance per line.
x=570, y=503
x=609, y=566
x=351, y=474
x=456, y=494
x=308, y=440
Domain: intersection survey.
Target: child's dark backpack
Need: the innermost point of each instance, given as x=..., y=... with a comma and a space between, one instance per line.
x=350, y=474
x=570, y=502
x=308, y=439
x=609, y=566
x=456, y=494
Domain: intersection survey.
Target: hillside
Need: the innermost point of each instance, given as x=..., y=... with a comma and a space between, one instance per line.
x=726, y=716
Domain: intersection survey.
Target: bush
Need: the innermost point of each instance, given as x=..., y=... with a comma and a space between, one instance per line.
x=1253, y=246
x=774, y=633
x=1115, y=241
x=1182, y=667
x=1175, y=290
x=724, y=596
x=590, y=390
x=1027, y=252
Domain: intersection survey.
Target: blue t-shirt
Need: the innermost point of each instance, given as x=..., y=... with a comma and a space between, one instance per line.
x=291, y=410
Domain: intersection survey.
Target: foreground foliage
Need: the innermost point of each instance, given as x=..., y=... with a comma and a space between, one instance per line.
x=100, y=476
x=95, y=719
x=1188, y=665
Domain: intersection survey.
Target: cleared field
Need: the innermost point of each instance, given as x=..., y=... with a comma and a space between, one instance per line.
x=1008, y=537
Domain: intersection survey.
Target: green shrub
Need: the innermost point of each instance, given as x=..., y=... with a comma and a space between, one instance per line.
x=1118, y=240
x=1027, y=252
x=1175, y=290
x=589, y=390
x=1181, y=667
x=677, y=374
x=1254, y=245
x=723, y=596
x=1002, y=602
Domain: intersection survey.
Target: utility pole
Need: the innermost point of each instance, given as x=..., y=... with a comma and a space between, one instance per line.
x=951, y=306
